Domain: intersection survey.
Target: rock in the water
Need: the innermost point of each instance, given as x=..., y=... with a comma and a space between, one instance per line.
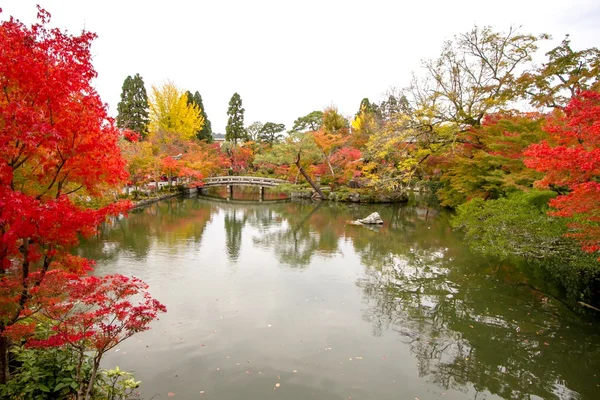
x=373, y=219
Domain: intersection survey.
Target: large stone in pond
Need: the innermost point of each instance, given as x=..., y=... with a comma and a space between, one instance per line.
x=373, y=219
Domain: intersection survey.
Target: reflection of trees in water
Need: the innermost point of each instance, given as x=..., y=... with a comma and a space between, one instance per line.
x=468, y=328
x=169, y=222
x=234, y=224
x=294, y=242
x=469, y=323
x=310, y=229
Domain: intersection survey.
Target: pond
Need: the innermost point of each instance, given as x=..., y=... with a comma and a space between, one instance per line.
x=277, y=300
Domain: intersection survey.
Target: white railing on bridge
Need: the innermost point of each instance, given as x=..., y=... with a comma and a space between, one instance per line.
x=242, y=180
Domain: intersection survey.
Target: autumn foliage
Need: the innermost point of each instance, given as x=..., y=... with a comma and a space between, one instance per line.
x=570, y=159
x=57, y=148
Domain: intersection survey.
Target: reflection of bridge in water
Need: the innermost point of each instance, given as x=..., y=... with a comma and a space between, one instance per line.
x=230, y=181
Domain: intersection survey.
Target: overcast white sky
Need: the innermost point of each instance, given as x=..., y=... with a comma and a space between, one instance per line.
x=288, y=58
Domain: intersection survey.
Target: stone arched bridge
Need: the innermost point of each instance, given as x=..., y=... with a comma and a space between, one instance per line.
x=230, y=181
x=242, y=181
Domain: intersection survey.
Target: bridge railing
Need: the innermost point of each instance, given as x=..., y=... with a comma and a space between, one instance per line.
x=242, y=180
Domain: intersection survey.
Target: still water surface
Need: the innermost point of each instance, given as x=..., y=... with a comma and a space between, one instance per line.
x=286, y=301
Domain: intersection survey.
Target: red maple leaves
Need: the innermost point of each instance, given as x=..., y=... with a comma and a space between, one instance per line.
x=91, y=312
x=571, y=161
x=56, y=141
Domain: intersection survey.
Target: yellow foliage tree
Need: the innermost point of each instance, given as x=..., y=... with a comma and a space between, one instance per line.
x=363, y=126
x=171, y=115
x=396, y=153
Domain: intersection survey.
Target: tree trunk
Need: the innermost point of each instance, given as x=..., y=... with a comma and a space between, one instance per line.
x=4, y=346
x=305, y=175
x=330, y=167
x=92, y=382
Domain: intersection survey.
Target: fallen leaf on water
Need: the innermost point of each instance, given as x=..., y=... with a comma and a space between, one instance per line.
x=170, y=394
x=547, y=344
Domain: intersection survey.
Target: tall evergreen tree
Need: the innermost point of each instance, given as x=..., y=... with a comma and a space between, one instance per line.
x=205, y=133
x=235, y=124
x=133, y=107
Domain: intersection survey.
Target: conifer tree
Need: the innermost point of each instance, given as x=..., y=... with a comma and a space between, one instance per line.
x=206, y=132
x=133, y=107
x=235, y=124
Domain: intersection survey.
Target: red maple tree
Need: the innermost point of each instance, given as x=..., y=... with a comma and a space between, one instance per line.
x=87, y=314
x=56, y=142
x=571, y=161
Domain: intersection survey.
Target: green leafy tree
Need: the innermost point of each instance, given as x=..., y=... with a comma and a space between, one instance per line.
x=310, y=122
x=205, y=133
x=299, y=149
x=566, y=73
x=271, y=132
x=253, y=130
x=235, y=124
x=132, y=110
x=520, y=226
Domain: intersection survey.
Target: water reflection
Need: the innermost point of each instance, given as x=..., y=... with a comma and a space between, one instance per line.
x=471, y=325
x=245, y=193
x=234, y=224
x=295, y=243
